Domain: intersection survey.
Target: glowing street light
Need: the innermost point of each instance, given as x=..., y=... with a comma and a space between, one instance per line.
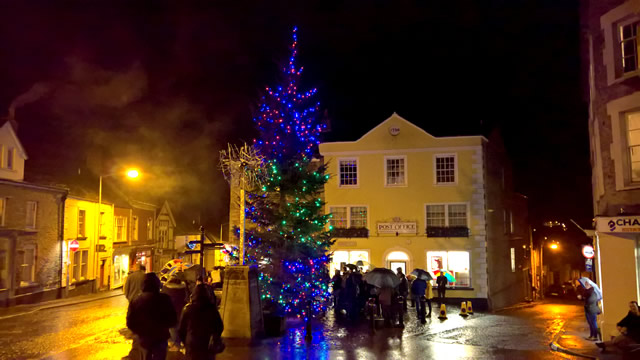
x=133, y=173
x=553, y=246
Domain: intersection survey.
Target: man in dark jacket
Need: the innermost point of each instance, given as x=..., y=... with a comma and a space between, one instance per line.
x=629, y=328
x=441, y=281
x=336, y=284
x=403, y=288
x=135, y=280
x=200, y=325
x=177, y=291
x=150, y=316
x=418, y=288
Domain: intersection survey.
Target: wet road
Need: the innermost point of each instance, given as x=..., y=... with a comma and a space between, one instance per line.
x=94, y=330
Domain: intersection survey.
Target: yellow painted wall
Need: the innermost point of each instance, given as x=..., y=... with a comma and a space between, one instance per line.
x=72, y=205
x=408, y=202
x=618, y=279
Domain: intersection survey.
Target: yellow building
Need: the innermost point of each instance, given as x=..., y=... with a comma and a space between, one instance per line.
x=81, y=222
x=401, y=197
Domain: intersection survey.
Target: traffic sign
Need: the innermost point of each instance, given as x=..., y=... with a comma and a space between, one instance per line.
x=587, y=251
x=588, y=263
x=74, y=246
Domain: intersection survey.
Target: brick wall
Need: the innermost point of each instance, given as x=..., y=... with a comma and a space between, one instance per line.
x=611, y=201
x=46, y=237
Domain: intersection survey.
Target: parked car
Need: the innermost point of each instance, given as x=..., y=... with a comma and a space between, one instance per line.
x=555, y=290
x=570, y=290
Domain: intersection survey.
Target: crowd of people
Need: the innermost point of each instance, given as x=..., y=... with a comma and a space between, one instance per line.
x=185, y=316
x=351, y=292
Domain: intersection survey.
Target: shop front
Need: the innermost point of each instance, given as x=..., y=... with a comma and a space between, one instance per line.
x=617, y=267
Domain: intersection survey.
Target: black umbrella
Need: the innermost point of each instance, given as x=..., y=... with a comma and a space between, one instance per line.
x=351, y=267
x=382, y=277
x=421, y=274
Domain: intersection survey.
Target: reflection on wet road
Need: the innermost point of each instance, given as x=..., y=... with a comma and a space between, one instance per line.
x=94, y=331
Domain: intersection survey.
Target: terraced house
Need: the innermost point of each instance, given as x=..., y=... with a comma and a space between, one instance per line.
x=401, y=197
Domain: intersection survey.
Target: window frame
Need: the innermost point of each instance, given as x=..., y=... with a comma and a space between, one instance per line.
x=34, y=223
x=124, y=229
x=348, y=212
x=3, y=211
x=32, y=275
x=150, y=236
x=9, y=158
x=406, y=170
x=446, y=212
x=134, y=228
x=357, y=161
x=455, y=169
x=619, y=43
x=82, y=234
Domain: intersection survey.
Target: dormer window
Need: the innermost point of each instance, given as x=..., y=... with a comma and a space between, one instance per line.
x=9, y=158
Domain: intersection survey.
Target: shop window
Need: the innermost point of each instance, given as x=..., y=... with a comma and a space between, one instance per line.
x=456, y=262
x=120, y=269
x=342, y=257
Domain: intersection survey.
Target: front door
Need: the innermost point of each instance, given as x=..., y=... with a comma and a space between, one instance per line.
x=393, y=265
x=102, y=274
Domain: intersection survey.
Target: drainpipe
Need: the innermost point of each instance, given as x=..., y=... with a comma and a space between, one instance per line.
x=63, y=199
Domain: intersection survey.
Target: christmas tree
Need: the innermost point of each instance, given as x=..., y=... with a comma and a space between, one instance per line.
x=288, y=239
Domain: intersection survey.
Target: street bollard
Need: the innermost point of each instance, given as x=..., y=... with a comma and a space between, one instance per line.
x=443, y=312
x=463, y=309
x=371, y=310
x=400, y=312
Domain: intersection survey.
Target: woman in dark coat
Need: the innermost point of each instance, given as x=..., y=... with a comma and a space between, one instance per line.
x=591, y=309
x=177, y=291
x=200, y=323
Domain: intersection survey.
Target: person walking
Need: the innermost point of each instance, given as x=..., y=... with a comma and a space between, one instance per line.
x=336, y=284
x=428, y=294
x=150, y=315
x=177, y=291
x=418, y=288
x=133, y=286
x=441, y=281
x=201, y=326
x=403, y=288
x=591, y=309
x=629, y=328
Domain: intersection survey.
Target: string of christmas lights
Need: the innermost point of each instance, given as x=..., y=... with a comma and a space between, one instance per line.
x=288, y=239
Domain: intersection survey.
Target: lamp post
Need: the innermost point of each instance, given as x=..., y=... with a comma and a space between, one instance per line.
x=554, y=245
x=131, y=174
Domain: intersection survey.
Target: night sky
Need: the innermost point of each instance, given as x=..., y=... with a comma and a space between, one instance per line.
x=167, y=84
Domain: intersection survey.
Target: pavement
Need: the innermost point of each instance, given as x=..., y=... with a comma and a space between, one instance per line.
x=19, y=310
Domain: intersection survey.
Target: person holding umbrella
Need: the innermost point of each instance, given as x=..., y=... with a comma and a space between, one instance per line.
x=591, y=295
x=421, y=287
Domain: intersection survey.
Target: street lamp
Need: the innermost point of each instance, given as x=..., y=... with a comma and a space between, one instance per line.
x=553, y=246
x=131, y=174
